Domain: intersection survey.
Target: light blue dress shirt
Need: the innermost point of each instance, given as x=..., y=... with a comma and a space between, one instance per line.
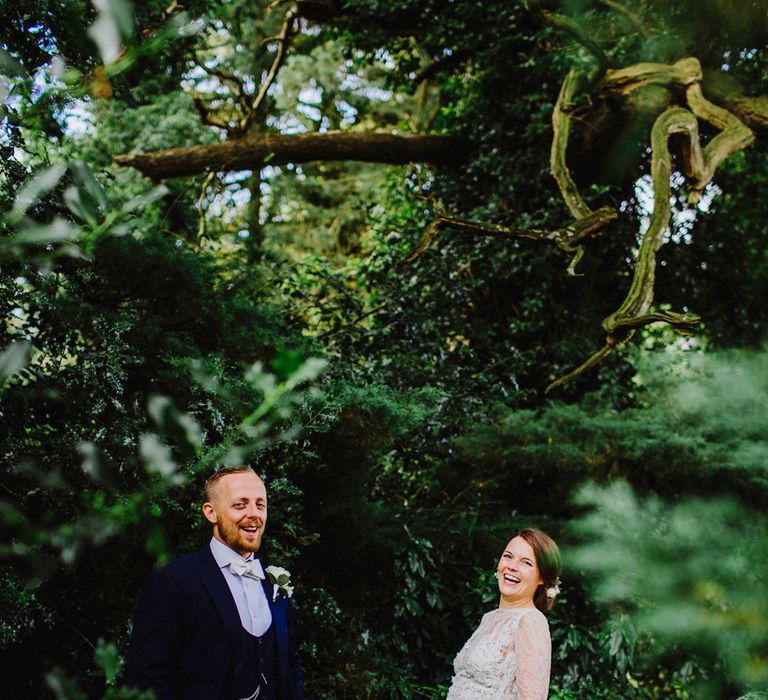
x=248, y=592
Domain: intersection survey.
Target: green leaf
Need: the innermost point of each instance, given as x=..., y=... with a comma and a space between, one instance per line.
x=113, y=24
x=107, y=658
x=307, y=372
x=14, y=358
x=56, y=232
x=40, y=184
x=143, y=199
x=87, y=182
x=286, y=363
x=82, y=209
x=10, y=66
x=180, y=428
x=158, y=459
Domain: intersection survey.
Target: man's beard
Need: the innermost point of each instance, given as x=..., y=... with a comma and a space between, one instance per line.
x=233, y=537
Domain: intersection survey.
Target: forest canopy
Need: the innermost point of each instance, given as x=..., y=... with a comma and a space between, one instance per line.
x=438, y=270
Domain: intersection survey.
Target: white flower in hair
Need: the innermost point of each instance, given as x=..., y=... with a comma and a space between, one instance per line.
x=553, y=591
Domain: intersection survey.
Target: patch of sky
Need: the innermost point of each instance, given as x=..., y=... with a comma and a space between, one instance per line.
x=347, y=111
x=683, y=217
x=386, y=58
x=227, y=205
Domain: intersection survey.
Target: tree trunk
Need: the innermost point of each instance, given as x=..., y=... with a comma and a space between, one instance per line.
x=256, y=152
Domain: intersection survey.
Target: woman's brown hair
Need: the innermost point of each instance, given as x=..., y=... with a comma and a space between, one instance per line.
x=547, y=559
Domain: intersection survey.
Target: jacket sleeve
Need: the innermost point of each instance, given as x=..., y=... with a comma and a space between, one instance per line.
x=294, y=662
x=156, y=637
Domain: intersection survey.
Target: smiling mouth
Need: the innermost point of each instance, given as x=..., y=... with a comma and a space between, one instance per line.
x=250, y=530
x=511, y=579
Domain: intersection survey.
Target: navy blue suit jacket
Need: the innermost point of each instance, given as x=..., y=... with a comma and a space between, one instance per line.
x=187, y=639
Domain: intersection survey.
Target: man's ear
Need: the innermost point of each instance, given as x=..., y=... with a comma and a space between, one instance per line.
x=209, y=512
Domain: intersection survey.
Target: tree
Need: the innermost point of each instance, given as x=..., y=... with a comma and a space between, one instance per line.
x=624, y=82
x=154, y=332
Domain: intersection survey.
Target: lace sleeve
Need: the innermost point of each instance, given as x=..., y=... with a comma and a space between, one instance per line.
x=534, y=653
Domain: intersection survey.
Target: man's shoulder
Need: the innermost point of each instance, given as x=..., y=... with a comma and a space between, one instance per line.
x=182, y=566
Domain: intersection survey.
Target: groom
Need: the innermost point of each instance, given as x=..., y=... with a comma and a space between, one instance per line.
x=210, y=626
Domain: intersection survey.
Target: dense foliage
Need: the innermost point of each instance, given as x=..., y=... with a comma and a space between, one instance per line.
x=397, y=411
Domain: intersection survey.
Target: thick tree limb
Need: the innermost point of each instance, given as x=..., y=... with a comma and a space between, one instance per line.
x=635, y=311
x=734, y=137
x=699, y=164
x=625, y=80
x=254, y=152
x=720, y=89
x=561, y=127
x=753, y=111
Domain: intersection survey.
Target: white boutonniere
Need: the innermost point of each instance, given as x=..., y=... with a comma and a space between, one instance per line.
x=280, y=579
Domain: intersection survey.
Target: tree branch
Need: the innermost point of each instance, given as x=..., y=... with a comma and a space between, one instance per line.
x=625, y=12
x=282, y=40
x=565, y=238
x=577, y=32
x=625, y=80
x=561, y=127
x=206, y=118
x=254, y=152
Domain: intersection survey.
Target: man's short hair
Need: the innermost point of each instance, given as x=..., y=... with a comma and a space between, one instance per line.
x=218, y=475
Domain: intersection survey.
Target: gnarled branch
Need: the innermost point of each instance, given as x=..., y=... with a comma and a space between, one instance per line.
x=566, y=238
x=699, y=164
x=561, y=128
x=625, y=80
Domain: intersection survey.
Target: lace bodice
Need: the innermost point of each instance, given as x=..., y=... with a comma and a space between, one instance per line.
x=507, y=658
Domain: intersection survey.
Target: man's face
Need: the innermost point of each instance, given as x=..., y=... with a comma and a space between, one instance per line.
x=238, y=511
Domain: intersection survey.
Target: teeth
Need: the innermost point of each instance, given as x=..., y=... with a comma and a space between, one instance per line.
x=512, y=579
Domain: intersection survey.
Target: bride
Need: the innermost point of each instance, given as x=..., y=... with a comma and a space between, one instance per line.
x=508, y=655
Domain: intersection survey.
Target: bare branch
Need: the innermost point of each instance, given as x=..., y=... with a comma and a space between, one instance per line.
x=282, y=39
x=606, y=350
x=625, y=12
x=205, y=115
x=201, y=210
x=254, y=152
x=234, y=81
x=565, y=238
x=577, y=32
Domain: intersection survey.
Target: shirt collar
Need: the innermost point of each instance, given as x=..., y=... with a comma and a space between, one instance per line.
x=224, y=555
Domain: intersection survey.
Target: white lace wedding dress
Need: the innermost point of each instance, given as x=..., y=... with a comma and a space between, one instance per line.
x=507, y=658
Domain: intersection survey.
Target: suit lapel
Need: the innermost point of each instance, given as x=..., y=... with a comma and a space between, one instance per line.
x=213, y=580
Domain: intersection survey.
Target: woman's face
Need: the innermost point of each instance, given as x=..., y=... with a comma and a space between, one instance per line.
x=518, y=575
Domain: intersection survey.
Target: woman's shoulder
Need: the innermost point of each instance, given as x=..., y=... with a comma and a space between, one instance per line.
x=527, y=616
x=534, y=620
